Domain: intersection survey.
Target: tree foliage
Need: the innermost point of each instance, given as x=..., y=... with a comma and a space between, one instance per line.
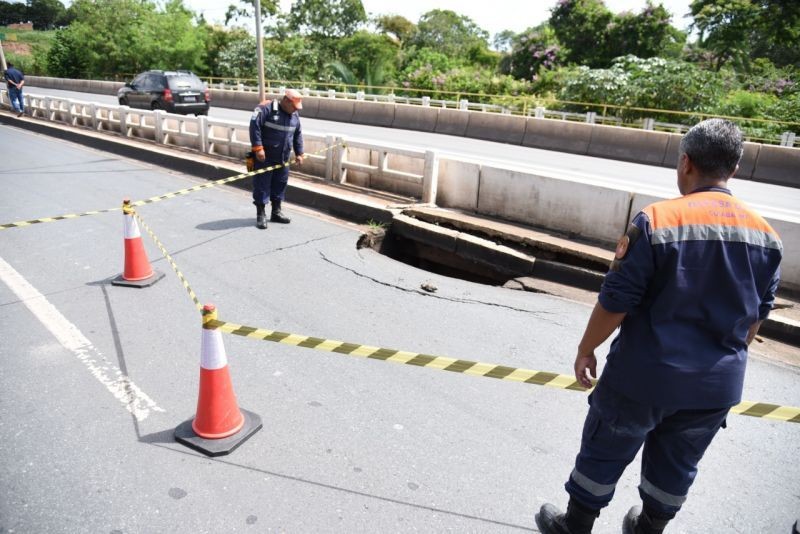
x=593, y=36
x=738, y=31
x=327, y=18
x=449, y=33
x=113, y=37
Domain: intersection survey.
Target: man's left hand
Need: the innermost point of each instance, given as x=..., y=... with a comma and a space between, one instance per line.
x=299, y=159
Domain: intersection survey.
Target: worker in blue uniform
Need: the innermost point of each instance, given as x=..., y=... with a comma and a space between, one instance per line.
x=274, y=132
x=692, y=280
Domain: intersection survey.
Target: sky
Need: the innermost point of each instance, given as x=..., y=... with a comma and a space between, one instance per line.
x=494, y=16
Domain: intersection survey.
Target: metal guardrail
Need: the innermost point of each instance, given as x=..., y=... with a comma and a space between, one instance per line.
x=418, y=170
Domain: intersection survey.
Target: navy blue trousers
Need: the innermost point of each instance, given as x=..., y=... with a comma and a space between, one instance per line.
x=615, y=429
x=270, y=185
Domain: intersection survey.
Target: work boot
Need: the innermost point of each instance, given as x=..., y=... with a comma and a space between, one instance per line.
x=261, y=217
x=277, y=215
x=577, y=520
x=640, y=522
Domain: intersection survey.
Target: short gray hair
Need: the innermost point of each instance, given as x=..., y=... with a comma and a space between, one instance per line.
x=715, y=147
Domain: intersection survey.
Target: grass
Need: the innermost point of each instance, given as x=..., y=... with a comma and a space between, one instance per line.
x=32, y=60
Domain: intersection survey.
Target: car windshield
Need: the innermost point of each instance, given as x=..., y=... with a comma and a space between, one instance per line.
x=185, y=82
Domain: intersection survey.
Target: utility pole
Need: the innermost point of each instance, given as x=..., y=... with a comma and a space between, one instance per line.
x=3, y=65
x=260, y=50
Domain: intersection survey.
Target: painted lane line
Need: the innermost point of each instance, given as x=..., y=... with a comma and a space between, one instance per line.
x=115, y=381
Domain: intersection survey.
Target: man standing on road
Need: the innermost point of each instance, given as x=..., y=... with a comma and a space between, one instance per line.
x=691, y=282
x=274, y=132
x=14, y=82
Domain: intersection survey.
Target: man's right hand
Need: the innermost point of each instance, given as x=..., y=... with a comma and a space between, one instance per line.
x=260, y=156
x=585, y=362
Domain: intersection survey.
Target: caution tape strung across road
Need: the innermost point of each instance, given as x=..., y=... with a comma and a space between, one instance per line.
x=20, y=224
x=790, y=414
x=174, y=265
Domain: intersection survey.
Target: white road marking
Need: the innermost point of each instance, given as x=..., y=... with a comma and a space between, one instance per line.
x=116, y=382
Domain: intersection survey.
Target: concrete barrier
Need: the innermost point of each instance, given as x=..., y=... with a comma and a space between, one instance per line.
x=588, y=211
x=496, y=127
x=778, y=165
x=408, y=117
x=336, y=110
x=452, y=122
x=458, y=184
x=310, y=107
x=628, y=144
x=746, y=165
x=374, y=114
x=572, y=137
x=789, y=230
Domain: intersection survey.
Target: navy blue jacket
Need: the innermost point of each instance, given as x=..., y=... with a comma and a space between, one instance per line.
x=13, y=75
x=276, y=131
x=693, y=274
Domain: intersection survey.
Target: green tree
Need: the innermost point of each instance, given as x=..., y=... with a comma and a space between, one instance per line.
x=400, y=29
x=294, y=58
x=12, y=12
x=66, y=58
x=645, y=34
x=327, y=18
x=738, y=31
x=725, y=28
x=244, y=10
x=369, y=57
x=581, y=27
x=45, y=14
x=116, y=37
x=592, y=35
x=532, y=51
x=449, y=33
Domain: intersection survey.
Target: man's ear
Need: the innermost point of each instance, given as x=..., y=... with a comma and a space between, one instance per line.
x=684, y=163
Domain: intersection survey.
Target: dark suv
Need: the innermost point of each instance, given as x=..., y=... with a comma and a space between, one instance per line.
x=175, y=91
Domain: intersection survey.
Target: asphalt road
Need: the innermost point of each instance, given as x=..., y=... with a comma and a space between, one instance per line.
x=770, y=200
x=96, y=377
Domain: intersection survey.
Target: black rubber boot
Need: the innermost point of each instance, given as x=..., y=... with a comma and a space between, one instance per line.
x=577, y=520
x=640, y=522
x=261, y=217
x=277, y=215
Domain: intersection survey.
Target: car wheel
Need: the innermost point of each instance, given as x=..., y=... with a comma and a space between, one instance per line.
x=155, y=105
x=123, y=101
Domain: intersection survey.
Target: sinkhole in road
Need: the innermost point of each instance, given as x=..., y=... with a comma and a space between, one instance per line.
x=483, y=265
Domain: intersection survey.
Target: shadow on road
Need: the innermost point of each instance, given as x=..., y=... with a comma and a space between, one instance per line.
x=226, y=224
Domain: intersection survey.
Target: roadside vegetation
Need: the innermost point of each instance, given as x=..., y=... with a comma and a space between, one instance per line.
x=741, y=59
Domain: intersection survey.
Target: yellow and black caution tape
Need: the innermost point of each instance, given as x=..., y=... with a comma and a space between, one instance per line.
x=19, y=224
x=175, y=268
x=528, y=376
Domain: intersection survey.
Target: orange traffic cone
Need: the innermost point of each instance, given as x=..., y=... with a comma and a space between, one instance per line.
x=137, y=271
x=219, y=426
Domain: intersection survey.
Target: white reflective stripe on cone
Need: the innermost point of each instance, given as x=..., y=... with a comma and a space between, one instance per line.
x=212, y=351
x=131, y=228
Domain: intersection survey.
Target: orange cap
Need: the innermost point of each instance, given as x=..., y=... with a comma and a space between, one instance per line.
x=295, y=97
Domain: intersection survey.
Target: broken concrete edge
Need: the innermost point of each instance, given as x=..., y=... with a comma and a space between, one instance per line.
x=596, y=261
x=512, y=262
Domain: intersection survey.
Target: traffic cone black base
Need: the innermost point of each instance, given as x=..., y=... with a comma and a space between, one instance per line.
x=185, y=435
x=147, y=282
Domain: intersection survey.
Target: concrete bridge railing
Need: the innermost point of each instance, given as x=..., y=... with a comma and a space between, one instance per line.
x=761, y=162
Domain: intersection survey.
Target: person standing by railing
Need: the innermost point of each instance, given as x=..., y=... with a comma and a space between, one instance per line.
x=14, y=81
x=274, y=132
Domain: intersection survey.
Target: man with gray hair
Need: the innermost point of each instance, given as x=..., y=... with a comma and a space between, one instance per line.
x=691, y=282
